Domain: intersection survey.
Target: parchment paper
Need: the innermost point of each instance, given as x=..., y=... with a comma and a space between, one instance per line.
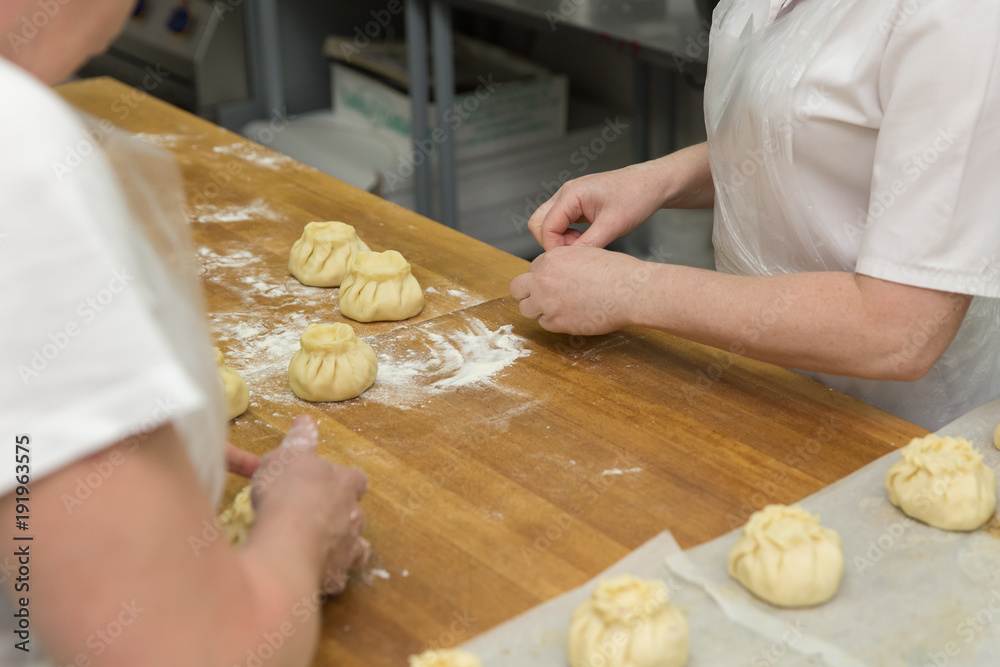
x=911, y=594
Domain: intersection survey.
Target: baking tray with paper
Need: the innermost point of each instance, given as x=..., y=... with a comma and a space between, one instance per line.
x=911, y=594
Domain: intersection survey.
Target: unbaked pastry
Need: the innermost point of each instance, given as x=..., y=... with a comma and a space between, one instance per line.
x=787, y=558
x=996, y=437
x=238, y=518
x=628, y=622
x=235, y=389
x=324, y=252
x=445, y=658
x=943, y=482
x=333, y=364
x=380, y=287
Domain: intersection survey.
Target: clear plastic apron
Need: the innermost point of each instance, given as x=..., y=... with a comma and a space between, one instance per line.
x=764, y=221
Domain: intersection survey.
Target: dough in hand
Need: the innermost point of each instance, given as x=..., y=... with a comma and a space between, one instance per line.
x=445, y=658
x=943, y=482
x=235, y=389
x=333, y=364
x=238, y=518
x=787, y=558
x=628, y=622
x=379, y=287
x=324, y=252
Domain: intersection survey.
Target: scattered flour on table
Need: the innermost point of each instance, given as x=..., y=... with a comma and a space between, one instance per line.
x=253, y=153
x=380, y=573
x=164, y=140
x=258, y=209
x=461, y=358
x=619, y=471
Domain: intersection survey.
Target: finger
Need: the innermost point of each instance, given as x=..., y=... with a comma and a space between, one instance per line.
x=535, y=222
x=241, y=462
x=530, y=309
x=596, y=236
x=564, y=212
x=365, y=548
x=303, y=433
x=355, y=481
x=520, y=287
x=572, y=235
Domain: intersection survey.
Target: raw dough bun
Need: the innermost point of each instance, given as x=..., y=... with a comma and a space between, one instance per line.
x=445, y=658
x=943, y=482
x=324, y=252
x=333, y=364
x=235, y=389
x=996, y=437
x=238, y=518
x=628, y=622
x=380, y=287
x=787, y=558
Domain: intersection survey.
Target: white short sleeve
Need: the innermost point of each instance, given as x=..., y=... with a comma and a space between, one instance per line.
x=85, y=357
x=934, y=212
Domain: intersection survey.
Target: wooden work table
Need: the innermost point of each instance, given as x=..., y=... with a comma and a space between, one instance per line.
x=487, y=499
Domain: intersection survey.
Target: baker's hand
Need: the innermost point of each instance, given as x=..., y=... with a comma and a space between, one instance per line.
x=581, y=290
x=240, y=462
x=613, y=203
x=319, y=497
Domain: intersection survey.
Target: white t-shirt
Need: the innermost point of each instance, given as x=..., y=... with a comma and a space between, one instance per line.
x=864, y=136
x=103, y=335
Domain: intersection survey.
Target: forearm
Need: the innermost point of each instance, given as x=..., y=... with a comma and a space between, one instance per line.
x=687, y=178
x=824, y=322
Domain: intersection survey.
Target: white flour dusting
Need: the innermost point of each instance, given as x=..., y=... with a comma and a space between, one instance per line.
x=255, y=210
x=165, y=140
x=253, y=153
x=379, y=572
x=619, y=471
x=445, y=361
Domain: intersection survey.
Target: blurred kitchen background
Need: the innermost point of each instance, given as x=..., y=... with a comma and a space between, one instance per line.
x=326, y=83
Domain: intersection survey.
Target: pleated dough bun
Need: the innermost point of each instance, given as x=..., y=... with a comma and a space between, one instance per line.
x=324, y=252
x=235, y=389
x=238, y=518
x=333, y=364
x=785, y=557
x=943, y=482
x=445, y=658
x=379, y=287
x=628, y=622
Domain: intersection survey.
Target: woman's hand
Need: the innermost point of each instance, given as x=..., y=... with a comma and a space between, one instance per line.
x=240, y=462
x=613, y=203
x=616, y=202
x=320, y=499
x=581, y=290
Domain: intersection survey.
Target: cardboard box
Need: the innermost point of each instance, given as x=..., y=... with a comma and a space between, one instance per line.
x=502, y=101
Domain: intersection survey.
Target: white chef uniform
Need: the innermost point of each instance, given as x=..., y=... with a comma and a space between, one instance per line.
x=103, y=334
x=864, y=136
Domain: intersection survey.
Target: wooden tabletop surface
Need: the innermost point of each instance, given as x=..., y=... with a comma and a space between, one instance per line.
x=507, y=465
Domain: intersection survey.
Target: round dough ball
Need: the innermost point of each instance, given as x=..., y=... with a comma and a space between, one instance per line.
x=628, y=622
x=235, y=389
x=996, y=437
x=943, y=482
x=787, y=558
x=324, y=252
x=445, y=658
x=333, y=364
x=379, y=287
